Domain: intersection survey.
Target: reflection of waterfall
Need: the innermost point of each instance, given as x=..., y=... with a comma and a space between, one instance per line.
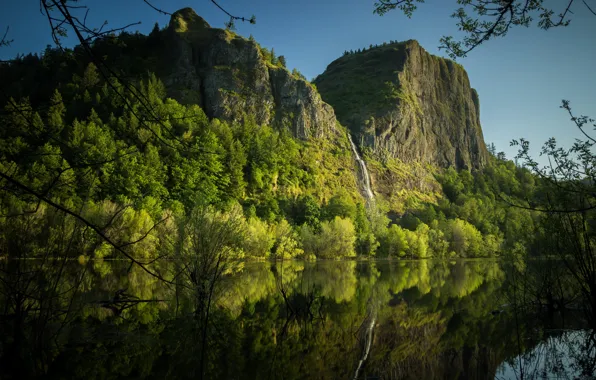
x=367, y=343
x=369, y=194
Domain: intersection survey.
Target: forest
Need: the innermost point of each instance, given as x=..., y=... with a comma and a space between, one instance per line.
x=74, y=142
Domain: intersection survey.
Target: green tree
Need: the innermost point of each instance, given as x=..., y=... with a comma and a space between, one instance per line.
x=418, y=241
x=465, y=239
x=307, y=210
x=396, y=241
x=258, y=239
x=437, y=243
x=337, y=239
x=286, y=241
x=282, y=61
x=366, y=241
x=342, y=205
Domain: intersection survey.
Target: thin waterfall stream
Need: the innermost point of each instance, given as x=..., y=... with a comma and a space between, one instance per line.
x=365, y=176
x=372, y=318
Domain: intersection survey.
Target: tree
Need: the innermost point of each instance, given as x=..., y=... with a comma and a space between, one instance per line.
x=286, y=242
x=259, y=239
x=65, y=16
x=396, y=241
x=154, y=32
x=492, y=149
x=337, y=239
x=465, y=239
x=366, y=241
x=418, y=241
x=298, y=74
x=307, y=210
x=436, y=241
x=282, y=60
x=483, y=20
x=342, y=205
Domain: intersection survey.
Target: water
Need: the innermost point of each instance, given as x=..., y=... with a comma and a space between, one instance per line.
x=364, y=170
x=296, y=320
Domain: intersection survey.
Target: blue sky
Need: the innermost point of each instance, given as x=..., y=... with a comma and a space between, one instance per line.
x=521, y=78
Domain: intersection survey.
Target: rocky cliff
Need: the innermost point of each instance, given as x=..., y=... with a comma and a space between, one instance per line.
x=230, y=78
x=405, y=103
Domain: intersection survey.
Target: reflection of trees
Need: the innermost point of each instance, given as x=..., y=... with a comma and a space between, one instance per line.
x=407, y=338
x=470, y=275
x=456, y=279
x=256, y=282
x=440, y=321
x=336, y=280
x=36, y=295
x=440, y=324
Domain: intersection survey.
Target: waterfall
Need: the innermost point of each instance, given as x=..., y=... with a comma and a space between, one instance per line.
x=369, y=194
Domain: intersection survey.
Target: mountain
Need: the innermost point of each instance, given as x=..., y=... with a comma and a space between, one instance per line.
x=230, y=77
x=403, y=102
x=192, y=118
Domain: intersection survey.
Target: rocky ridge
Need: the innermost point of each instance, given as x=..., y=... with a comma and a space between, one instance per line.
x=402, y=102
x=230, y=79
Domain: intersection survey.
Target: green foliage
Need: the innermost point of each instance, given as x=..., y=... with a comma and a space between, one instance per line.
x=466, y=240
x=259, y=239
x=396, y=241
x=342, y=205
x=286, y=241
x=335, y=240
x=89, y=145
x=366, y=241
x=100, y=150
x=296, y=73
x=306, y=210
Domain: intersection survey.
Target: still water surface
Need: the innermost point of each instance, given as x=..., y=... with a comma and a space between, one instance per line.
x=296, y=320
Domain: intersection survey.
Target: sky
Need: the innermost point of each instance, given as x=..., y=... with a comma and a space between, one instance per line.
x=521, y=78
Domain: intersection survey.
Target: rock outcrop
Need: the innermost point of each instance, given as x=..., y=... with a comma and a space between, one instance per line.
x=403, y=102
x=229, y=77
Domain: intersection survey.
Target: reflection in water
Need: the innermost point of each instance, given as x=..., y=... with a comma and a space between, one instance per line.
x=368, y=337
x=564, y=354
x=290, y=320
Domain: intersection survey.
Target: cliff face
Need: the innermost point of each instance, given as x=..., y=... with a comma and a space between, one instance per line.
x=402, y=102
x=228, y=76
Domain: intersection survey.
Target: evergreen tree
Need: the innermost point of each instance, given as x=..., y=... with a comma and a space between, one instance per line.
x=492, y=149
x=155, y=32
x=282, y=61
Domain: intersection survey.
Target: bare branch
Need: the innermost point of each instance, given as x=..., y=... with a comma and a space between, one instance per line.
x=157, y=9
x=589, y=8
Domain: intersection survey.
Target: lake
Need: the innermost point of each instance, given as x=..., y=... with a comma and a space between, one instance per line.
x=460, y=319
